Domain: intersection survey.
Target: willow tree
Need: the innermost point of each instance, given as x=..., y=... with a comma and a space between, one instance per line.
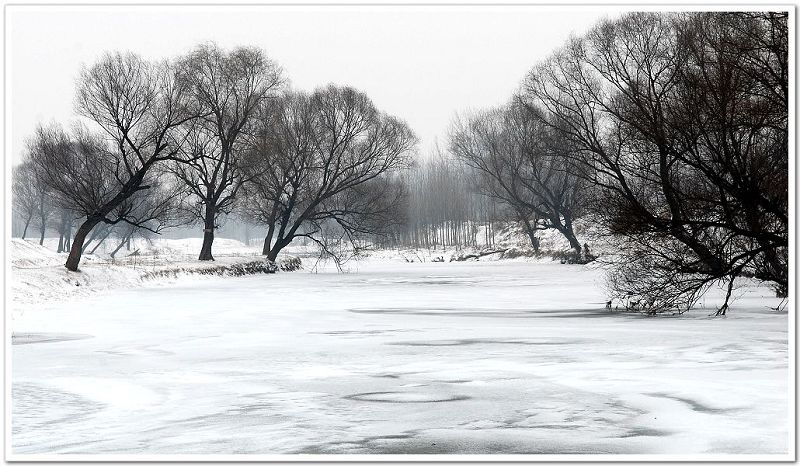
x=226, y=90
x=325, y=160
x=520, y=162
x=682, y=122
x=137, y=108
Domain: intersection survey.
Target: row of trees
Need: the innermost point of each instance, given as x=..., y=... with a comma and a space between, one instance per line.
x=30, y=200
x=33, y=205
x=667, y=131
x=211, y=132
x=442, y=209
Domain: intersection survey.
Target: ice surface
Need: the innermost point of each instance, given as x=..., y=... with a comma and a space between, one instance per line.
x=391, y=357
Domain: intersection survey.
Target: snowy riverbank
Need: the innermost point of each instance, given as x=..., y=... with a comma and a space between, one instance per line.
x=38, y=276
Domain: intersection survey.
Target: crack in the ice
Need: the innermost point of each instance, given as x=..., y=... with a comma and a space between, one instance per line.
x=404, y=397
x=31, y=338
x=695, y=405
x=485, y=341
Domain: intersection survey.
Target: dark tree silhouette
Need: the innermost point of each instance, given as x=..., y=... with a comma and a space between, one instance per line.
x=138, y=107
x=325, y=159
x=521, y=163
x=227, y=88
x=30, y=199
x=684, y=138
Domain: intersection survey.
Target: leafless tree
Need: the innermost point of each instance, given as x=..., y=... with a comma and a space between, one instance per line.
x=325, y=159
x=29, y=197
x=37, y=196
x=64, y=224
x=683, y=137
x=125, y=233
x=442, y=209
x=521, y=163
x=735, y=133
x=227, y=89
x=81, y=178
x=138, y=106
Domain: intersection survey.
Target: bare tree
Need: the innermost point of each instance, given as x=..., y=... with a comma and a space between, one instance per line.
x=31, y=198
x=325, y=159
x=64, y=226
x=442, y=209
x=227, y=88
x=281, y=154
x=138, y=106
x=735, y=133
x=125, y=233
x=520, y=163
x=25, y=193
x=682, y=139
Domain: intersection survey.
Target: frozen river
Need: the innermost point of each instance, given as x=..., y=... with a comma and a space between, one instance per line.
x=397, y=358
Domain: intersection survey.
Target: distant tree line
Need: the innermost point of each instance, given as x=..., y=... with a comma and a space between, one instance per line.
x=442, y=207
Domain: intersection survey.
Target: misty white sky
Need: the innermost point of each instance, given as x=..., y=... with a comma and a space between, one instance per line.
x=420, y=63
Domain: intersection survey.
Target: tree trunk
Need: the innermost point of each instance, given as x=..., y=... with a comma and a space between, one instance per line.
x=273, y=252
x=566, y=230
x=43, y=219
x=97, y=246
x=93, y=237
x=63, y=234
x=573, y=242
x=75, y=252
x=526, y=222
x=268, y=239
x=68, y=237
x=208, y=234
x=119, y=246
x=27, y=222
x=100, y=242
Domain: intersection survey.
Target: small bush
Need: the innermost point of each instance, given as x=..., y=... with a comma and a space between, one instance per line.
x=234, y=270
x=572, y=257
x=290, y=264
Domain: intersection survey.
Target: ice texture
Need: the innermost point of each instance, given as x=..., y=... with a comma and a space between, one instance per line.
x=395, y=357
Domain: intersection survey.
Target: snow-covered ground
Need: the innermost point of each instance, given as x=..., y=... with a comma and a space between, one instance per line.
x=39, y=277
x=396, y=357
